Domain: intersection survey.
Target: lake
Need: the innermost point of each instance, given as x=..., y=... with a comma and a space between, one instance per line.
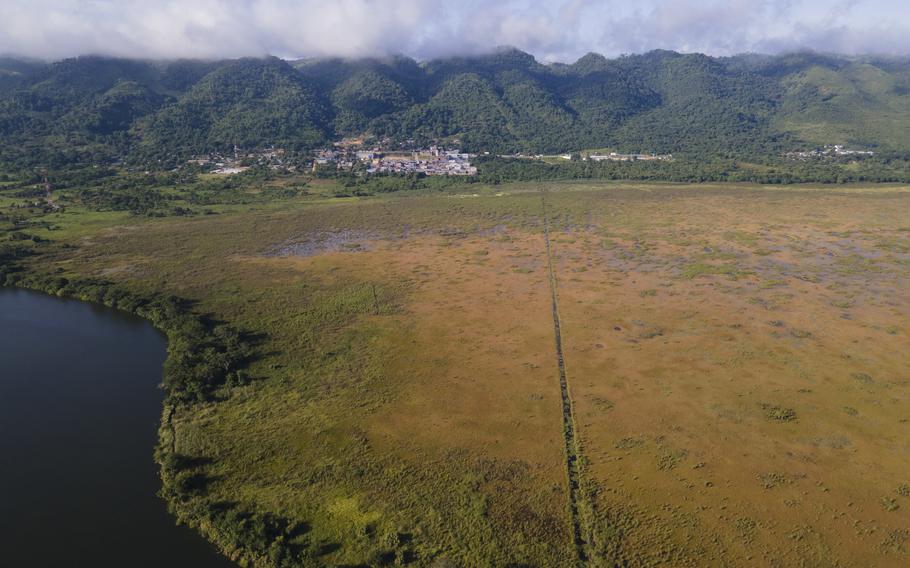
x=79, y=411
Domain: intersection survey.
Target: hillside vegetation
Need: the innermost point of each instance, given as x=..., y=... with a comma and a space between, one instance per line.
x=98, y=110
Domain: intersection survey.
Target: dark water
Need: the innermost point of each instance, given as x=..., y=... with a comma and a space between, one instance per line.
x=79, y=407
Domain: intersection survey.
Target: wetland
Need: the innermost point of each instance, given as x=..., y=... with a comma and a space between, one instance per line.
x=732, y=360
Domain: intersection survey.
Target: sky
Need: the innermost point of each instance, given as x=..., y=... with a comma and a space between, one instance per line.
x=552, y=30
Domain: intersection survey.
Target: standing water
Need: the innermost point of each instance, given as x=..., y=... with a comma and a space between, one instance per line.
x=79, y=409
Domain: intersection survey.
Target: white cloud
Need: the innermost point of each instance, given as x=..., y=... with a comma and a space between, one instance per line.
x=551, y=29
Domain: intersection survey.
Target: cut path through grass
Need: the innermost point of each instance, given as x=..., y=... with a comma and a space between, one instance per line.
x=573, y=452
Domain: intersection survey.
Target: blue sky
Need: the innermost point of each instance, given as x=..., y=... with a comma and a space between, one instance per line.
x=553, y=30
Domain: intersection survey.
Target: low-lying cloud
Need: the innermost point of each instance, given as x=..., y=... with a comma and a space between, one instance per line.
x=559, y=30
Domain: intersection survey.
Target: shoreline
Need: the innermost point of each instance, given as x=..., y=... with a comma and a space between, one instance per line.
x=174, y=468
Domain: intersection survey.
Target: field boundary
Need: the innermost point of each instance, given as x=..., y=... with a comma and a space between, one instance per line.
x=572, y=452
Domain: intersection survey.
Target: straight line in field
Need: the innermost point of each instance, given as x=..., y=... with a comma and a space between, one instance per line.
x=568, y=419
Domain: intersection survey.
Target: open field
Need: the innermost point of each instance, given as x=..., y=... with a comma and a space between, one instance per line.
x=736, y=359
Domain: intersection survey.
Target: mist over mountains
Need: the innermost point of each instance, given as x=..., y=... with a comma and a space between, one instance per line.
x=98, y=110
x=555, y=30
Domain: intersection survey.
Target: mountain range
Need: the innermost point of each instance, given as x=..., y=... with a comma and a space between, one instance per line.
x=96, y=109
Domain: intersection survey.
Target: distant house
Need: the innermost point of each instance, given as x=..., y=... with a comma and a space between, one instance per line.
x=230, y=170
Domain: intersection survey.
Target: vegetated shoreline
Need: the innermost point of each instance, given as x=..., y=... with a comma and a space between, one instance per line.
x=202, y=356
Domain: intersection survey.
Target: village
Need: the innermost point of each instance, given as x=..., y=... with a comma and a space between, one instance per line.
x=829, y=151
x=592, y=156
x=384, y=157
x=407, y=159
x=349, y=157
x=240, y=161
x=614, y=157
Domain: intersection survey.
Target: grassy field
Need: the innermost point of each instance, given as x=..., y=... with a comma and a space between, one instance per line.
x=736, y=360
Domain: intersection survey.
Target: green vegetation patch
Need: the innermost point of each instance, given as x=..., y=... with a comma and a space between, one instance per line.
x=700, y=269
x=779, y=413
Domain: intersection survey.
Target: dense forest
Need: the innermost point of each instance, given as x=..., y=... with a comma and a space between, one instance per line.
x=100, y=111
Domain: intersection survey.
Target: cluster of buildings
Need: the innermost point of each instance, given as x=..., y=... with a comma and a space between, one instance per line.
x=240, y=161
x=614, y=157
x=404, y=158
x=829, y=151
x=448, y=164
x=432, y=161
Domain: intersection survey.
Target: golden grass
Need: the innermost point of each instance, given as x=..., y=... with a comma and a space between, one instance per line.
x=407, y=386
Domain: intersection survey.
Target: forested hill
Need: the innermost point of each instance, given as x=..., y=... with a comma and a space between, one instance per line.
x=96, y=110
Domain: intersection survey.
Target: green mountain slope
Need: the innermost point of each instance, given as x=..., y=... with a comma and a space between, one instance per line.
x=704, y=108
x=857, y=104
x=14, y=71
x=249, y=103
x=93, y=109
x=77, y=110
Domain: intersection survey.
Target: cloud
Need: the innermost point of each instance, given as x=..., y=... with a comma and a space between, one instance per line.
x=551, y=29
